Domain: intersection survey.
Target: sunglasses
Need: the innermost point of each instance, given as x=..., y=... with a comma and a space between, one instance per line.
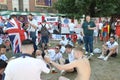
x=56, y=48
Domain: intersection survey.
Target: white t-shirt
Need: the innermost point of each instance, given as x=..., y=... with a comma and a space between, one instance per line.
x=1, y=41
x=72, y=27
x=100, y=26
x=111, y=45
x=62, y=50
x=63, y=42
x=30, y=28
x=27, y=68
x=3, y=57
x=71, y=56
x=54, y=56
x=80, y=36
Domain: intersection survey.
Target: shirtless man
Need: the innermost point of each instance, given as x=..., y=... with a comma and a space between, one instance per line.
x=81, y=64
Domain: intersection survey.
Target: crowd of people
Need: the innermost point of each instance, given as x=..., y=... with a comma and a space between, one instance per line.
x=34, y=59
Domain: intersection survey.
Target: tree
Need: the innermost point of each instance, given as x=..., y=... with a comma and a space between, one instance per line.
x=76, y=8
x=67, y=7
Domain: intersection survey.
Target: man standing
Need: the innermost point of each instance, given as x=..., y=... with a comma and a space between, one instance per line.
x=32, y=29
x=45, y=34
x=72, y=27
x=25, y=67
x=88, y=29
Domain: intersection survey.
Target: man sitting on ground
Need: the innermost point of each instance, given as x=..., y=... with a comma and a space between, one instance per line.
x=63, y=42
x=110, y=48
x=81, y=63
x=69, y=51
x=54, y=54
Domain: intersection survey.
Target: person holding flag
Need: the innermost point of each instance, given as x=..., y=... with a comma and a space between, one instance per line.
x=16, y=33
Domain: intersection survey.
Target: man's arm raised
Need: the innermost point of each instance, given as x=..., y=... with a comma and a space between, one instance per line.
x=66, y=66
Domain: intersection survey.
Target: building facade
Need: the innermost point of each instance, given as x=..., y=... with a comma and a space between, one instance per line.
x=3, y=5
x=28, y=5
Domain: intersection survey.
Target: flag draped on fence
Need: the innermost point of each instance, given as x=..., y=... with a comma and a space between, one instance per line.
x=16, y=34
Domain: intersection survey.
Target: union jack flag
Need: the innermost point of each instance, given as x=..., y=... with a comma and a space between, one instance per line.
x=16, y=34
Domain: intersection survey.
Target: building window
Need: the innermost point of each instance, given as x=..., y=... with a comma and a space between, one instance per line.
x=26, y=10
x=6, y=7
x=20, y=5
x=15, y=9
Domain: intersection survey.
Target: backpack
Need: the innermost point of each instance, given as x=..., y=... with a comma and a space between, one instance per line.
x=44, y=31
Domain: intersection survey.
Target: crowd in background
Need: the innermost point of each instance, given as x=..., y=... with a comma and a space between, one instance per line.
x=40, y=35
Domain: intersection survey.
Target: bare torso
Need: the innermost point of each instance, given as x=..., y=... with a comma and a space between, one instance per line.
x=83, y=69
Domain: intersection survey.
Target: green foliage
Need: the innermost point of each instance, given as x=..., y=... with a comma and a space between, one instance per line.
x=76, y=8
x=67, y=7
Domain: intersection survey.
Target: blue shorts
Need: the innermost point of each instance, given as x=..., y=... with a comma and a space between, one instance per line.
x=45, y=39
x=104, y=34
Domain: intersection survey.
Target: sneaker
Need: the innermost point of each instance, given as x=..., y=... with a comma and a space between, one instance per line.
x=105, y=59
x=91, y=54
x=83, y=48
x=62, y=72
x=49, y=45
x=63, y=78
x=101, y=57
x=53, y=71
x=86, y=52
x=89, y=57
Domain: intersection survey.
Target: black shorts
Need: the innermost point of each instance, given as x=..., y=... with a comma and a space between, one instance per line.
x=113, y=55
x=67, y=61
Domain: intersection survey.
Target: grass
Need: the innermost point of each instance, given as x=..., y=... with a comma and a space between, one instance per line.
x=101, y=70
